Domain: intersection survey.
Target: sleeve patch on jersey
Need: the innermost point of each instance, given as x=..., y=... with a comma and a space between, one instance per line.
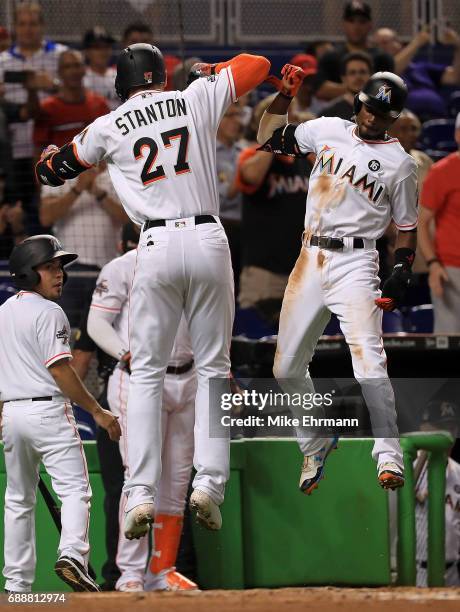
x=101, y=287
x=63, y=334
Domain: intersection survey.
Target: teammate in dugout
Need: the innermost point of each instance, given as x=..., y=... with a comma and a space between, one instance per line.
x=160, y=150
x=361, y=179
x=108, y=327
x=37, y=383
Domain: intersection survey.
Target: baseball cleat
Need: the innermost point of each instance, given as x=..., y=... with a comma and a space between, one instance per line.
x=73, y=573
x=179, y=582
x=390, y=476
x=138, y=521
x=132, y=586
x=313, y=467
x=206, y=510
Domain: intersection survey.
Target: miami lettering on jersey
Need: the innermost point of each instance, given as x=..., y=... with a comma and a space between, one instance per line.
x=161, y=109
x=328, y=163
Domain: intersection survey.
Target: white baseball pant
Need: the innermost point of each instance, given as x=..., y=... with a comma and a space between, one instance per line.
x=178, y=416
x=345, y=283
x=46, y=432
x=180, y=267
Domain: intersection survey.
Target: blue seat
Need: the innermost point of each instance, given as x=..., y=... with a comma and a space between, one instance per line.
x=435, y=154
x=436, y=131
x=249, y=323
x=392, y=322
x=6, y=291
x=85, y=423
x=420, y=319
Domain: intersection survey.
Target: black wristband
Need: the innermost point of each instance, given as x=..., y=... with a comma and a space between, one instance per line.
x=404, y=256
x=285, y=96
x=432, y=261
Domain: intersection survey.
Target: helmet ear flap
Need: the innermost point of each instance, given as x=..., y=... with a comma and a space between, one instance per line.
x=357, y=104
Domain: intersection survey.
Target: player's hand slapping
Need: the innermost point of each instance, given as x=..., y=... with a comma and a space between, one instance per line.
x=289, y=85
x=395, y=287
x=108, y=421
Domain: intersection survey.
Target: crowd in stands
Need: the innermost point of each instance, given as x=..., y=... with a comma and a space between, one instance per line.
x=50, y=92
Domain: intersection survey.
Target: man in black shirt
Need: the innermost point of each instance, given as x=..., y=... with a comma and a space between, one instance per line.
x=356, y=70
x=357, y=25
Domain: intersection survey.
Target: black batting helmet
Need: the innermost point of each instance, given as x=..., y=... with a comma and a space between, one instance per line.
x=138, y=65
x=32, y=252
x=384, y=92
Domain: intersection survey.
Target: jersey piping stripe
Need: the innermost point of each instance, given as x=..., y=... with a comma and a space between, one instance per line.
x=85, y=468
x=391, y=140
x=57, y=356
x=105, y=308
x=231, y=84
x=82, y=162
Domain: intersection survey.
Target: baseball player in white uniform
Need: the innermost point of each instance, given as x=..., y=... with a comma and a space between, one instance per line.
x=108, y=327
x=439, y=415
x=361, y=179
x=160, y=148
x=37, y=384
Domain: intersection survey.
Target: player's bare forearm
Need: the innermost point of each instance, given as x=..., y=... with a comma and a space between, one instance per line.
x=406, y=240
x=72, y=387
x=280, y=105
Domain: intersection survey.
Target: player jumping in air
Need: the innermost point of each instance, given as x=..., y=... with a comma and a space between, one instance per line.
x=361, y=180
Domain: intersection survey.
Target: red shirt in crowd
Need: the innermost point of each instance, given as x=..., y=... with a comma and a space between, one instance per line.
x=60, y=121
x=441, y=194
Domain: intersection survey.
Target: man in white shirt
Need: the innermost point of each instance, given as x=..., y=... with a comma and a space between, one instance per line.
x=37, y=384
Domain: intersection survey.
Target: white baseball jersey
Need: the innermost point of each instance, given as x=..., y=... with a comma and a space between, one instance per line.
x=112, y=296
x=103, y=84
x=452, y=512
x=160, y=149
x=45, y=59
x=356, y=186
x=35, y=334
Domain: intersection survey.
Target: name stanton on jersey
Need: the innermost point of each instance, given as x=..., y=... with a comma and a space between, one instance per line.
x=156, y=111
x=367, y=184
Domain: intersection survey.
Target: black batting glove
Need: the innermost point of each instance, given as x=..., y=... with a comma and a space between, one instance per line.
x=395, y=287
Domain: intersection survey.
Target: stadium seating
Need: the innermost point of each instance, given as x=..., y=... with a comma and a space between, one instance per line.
x=454, y=104
x=435, y=132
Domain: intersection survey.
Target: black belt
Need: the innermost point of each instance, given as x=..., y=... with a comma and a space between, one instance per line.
x=424, y=564
x=326, y=242
x=180, y=369
x=199, y=219
x=45, y=398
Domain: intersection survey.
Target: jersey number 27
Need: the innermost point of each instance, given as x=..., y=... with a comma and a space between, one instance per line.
x=147, y=146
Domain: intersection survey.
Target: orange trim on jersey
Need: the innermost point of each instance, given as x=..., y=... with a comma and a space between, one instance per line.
x=82, y=162
x=391, y=140
x=248, y=71
x=58, y=355
x=85, y=467
x=187, y=170
x=105, y=308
